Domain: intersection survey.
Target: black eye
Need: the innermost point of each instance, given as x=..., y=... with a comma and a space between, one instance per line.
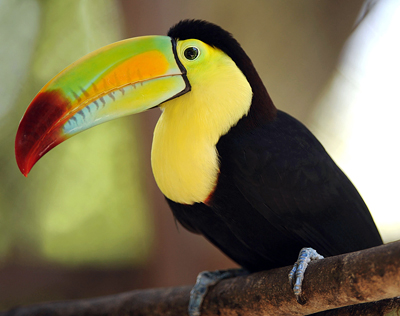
x=191, y=53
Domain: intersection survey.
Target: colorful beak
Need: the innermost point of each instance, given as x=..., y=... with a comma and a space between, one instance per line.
x=120, y=79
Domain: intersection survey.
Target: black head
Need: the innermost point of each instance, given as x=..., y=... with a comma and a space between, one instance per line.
x=262, y=107
x=208, y=33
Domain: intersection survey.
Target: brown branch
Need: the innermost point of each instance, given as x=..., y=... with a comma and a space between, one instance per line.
x=360, y=277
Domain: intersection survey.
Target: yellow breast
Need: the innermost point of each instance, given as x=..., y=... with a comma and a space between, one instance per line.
x=184, y=155
x=184, y=162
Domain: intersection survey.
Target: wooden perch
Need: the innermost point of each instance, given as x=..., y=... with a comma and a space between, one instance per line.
x=366, y=276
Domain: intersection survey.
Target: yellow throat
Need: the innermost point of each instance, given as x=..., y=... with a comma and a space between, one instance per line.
x=184, y=156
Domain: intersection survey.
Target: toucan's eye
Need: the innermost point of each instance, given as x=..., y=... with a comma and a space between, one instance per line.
x=191, y=53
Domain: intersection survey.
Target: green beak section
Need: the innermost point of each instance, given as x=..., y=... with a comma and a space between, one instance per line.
x=120, y=79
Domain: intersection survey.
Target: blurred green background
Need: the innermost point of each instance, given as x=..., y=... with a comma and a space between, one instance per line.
x=89, y=220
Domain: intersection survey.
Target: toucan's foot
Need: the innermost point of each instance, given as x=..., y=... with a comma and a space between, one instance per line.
x=204, y=281
x=296, y=275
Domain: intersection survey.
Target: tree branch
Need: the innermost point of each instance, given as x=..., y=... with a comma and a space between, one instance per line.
x=360, y=277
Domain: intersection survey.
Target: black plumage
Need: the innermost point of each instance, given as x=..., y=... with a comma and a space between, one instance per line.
x=278, y=190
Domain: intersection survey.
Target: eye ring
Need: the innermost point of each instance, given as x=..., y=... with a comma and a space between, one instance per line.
x=191, y=53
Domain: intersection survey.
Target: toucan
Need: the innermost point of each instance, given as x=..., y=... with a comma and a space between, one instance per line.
x=251, y=179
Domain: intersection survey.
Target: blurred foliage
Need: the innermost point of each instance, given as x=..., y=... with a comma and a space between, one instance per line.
x=84, y=202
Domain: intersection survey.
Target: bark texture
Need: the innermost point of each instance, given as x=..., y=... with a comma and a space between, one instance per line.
x=360, y=283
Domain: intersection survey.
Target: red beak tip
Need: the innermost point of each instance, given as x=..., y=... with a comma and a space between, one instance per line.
x=36, y=133
x=23, y=161
x=25, y=172
x=23, y=169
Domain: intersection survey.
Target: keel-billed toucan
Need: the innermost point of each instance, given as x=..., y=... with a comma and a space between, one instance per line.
x=250, y=178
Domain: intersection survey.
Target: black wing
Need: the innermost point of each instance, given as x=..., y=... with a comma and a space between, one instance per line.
x=287, y=176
